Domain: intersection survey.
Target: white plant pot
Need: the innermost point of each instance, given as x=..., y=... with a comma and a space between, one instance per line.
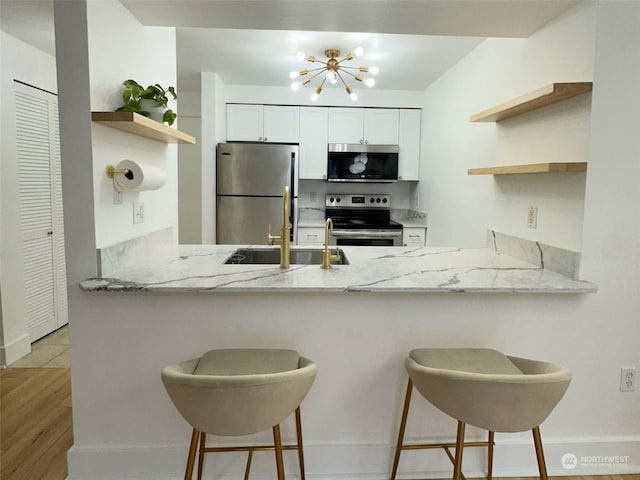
x=150, y=106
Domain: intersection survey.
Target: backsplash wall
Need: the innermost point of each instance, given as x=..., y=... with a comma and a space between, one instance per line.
x=399, y=191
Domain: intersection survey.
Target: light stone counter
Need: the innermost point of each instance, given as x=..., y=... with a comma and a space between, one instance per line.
x=201, y=268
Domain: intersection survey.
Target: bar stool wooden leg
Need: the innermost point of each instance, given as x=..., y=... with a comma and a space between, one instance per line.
x=299, y=438
x=457, y=466
x=542, y=467
x=490, y=456
x=203, y=443
x=278, y=444
x=403, y=425
x=188, y=474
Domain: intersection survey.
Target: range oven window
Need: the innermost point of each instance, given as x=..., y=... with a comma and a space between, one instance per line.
x=362, y=166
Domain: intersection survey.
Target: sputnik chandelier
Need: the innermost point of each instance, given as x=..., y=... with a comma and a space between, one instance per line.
x=332, y=71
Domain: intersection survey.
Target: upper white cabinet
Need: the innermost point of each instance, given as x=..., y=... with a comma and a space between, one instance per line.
x=381, y=126
x=364, y=125
x=409, y=145
x=313, y=142
x=263, y=123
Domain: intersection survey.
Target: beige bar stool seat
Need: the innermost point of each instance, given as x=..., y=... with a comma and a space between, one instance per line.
x=484, y=388
x=236, y=392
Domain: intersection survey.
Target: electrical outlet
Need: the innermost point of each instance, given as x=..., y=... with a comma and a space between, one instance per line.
x=627, y=379
x=532, y=217
x=138, y=212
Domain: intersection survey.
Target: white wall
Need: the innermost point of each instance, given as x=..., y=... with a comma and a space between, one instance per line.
x=330, y=96
x=147, y=55
x=213, y=126
x=24, y=63
x=190, y=170
x=462, y=207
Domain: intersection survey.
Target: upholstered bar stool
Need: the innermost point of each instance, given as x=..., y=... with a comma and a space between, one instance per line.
x=236, y=392
x=484, y=388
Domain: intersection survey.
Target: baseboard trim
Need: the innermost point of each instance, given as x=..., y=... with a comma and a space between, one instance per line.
x=594, y=456
x=15, y=350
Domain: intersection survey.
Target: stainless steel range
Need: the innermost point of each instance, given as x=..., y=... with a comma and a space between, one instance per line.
x=362, y=220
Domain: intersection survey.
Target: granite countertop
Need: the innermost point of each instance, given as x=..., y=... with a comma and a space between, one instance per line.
x=201, y=268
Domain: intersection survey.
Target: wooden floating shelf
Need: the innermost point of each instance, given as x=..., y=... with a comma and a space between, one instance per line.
x=140, y=125
x=554, y=93
x=569, y=167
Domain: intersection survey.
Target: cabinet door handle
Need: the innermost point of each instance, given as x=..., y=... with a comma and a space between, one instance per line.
x=265, y=139
x=414, y=236
x=260, y=139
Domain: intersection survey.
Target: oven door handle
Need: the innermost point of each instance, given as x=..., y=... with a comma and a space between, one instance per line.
x=365, y=234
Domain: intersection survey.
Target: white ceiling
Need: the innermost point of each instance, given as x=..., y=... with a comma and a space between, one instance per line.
x=254, y=42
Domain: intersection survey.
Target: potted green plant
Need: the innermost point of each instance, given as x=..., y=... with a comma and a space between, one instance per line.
x=142, y=100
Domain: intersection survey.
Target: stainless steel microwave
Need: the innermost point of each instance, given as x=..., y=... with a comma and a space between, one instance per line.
x=347, y=162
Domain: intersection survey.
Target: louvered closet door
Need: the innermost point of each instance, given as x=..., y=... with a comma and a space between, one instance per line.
x=40, y=203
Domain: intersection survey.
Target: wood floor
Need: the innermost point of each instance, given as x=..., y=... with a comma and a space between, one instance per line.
x=35, y=423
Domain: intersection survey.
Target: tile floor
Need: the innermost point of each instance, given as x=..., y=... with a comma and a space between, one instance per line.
x=51, y=351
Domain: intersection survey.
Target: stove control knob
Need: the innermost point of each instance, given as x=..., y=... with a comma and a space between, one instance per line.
x=372, y=200
x=384, y=200
x=378, y=200
x=338, y=200
x=331, y=199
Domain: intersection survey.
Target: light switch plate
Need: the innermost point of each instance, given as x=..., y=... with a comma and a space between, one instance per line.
x=117, y=196
x=138, y=212
x=532, y=217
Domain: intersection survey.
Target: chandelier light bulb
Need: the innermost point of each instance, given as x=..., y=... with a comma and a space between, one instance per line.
x=314, y=97
x=295, y=86
x=358, y=51
x=294, y=75
x=374, y=70
x=369, y=82
x=353, y=96
x=301, y=55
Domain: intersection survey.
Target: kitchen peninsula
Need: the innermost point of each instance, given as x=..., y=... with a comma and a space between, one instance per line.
x=356, y=321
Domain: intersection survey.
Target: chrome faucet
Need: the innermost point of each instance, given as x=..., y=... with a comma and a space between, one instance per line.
x=283, y=239
x=327, y=257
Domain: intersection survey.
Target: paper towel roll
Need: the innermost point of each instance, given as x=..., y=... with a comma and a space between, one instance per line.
x=140, y=177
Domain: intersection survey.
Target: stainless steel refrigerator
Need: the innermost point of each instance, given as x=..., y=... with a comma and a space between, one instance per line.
x=250, y=182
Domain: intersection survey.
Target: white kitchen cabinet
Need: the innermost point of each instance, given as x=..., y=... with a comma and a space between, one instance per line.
x=378, y=126
x=414, y=236
x=409, y=145
x=263, y=123
x=381, y=126
x=310, y=236
x=346, y=125
x=313, y=143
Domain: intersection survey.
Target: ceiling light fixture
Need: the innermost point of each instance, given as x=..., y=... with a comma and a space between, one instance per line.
x=332, y=70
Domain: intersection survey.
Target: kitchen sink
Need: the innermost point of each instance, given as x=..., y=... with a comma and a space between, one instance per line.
x=269, y=256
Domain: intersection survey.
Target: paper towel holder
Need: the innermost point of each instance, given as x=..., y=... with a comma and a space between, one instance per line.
x=111, y=172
